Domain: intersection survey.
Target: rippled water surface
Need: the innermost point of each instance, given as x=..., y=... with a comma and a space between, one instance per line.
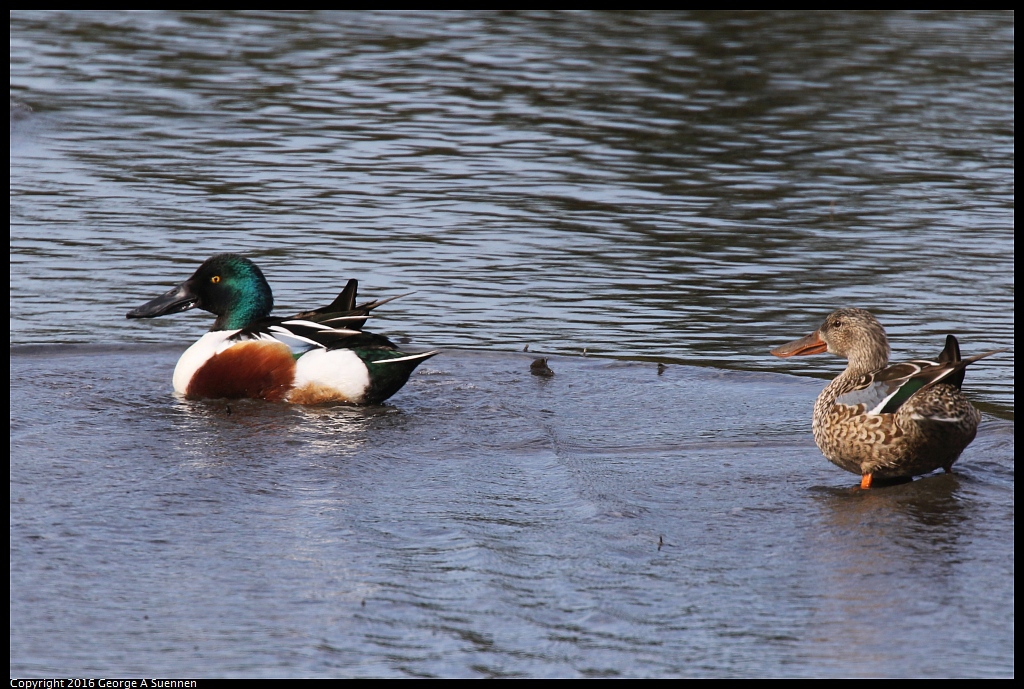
x=691, y=189
x=489, y=523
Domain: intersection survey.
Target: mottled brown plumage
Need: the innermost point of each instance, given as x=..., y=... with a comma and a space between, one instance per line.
x=884, y=421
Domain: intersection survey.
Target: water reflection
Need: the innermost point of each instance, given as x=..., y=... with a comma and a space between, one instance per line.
x=688, y=188
x=691, y=186
x=913, y=537
x=490, y=522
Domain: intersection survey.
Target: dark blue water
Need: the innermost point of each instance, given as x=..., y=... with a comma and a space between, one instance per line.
x=691, y=189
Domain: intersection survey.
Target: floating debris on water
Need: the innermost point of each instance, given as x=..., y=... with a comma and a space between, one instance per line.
x=540, y=367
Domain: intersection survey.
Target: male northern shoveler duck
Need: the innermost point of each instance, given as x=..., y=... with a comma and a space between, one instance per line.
x=884, y=421
x=315, y=356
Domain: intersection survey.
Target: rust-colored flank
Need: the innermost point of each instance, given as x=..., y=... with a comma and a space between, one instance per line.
x=263, y=370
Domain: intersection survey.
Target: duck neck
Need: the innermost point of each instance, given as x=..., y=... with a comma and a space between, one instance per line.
x=251, y=306
x=867, y=360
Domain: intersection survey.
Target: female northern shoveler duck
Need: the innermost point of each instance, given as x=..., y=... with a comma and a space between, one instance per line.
x=315, y=356
x=884, y=421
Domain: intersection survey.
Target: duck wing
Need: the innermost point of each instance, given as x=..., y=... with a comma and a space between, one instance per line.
x=343, y=311
x=886, y=390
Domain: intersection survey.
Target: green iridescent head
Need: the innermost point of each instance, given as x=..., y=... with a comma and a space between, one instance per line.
x=228, y=285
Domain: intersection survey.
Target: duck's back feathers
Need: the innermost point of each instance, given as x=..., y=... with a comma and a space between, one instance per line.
x=343, y=312
x=336, y=364
x=885, y=391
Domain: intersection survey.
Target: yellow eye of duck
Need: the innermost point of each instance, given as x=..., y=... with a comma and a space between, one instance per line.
x=215, y=279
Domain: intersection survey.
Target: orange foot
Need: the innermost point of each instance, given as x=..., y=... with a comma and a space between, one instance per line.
x=865, y=481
